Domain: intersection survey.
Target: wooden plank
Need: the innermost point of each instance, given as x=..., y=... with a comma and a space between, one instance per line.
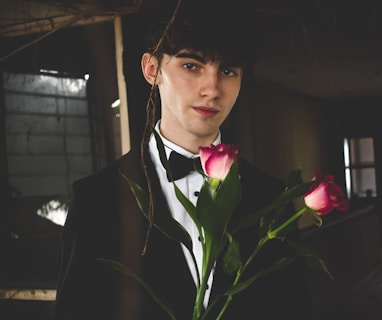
x=28, y=294
x=30, y=17
x=123, y=107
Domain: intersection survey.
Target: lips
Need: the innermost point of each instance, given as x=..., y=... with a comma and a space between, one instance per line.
x=205, y=111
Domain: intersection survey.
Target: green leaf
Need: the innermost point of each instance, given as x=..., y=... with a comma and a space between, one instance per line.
x=228, y=195
x=212, y=222
x=140, y=195
x=294, y=178
x=270, y=220
x=231, y=258
x=317, y=219
x=187, y=204
x=281, y=201
x=164, y=222
x=274, y=218
x=127, y=271
x=214, y=211
x=311, y=258
x=282, y=263
x=207, y=212
x=316, y=263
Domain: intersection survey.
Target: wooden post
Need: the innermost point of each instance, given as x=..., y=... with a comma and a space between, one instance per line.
x=123, y=107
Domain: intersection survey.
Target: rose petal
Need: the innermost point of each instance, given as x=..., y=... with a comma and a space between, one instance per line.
x=217, y=160
x=218, y=164
x=325, y=195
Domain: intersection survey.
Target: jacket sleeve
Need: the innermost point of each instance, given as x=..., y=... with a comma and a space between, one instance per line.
x=84, y=282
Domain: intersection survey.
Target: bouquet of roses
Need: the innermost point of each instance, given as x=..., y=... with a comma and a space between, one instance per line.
x=218, y=198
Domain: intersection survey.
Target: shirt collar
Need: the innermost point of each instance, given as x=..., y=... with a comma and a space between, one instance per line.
x=170, y=146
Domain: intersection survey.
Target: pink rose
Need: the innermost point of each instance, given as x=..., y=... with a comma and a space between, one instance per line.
x=325, y=196
x=217, y=160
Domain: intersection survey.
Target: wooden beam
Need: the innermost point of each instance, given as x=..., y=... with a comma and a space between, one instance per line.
x=24, y=17
x=123, y=107
x=28, y=294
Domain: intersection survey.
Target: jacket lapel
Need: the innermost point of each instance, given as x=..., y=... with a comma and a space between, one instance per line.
x=163, y=265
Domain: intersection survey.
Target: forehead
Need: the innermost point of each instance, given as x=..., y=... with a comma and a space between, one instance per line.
x=205, y=57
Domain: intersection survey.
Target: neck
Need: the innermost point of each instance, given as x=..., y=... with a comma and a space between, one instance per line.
x=190, y=142
x=193, y=145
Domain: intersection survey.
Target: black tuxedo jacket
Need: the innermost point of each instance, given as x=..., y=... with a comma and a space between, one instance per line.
x=104, y=221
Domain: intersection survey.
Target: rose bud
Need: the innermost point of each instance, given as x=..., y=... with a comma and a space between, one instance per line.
x=325, y=196
x=217, y=160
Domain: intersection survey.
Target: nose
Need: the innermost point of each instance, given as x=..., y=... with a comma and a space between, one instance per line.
x=210, y=84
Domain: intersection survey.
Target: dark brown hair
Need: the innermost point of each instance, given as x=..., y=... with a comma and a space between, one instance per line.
x=220, y=29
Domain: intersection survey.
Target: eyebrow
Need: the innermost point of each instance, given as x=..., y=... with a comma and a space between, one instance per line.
x=202, y=59
x=191, y=55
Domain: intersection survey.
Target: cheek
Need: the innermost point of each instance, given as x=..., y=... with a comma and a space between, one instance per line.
x=231, y=98
x=174, y=88
x=167, y=87
x=232, y=90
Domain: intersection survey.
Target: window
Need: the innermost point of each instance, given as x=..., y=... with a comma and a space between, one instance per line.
x=48, y=138
x=50, y=142
x=360, y=171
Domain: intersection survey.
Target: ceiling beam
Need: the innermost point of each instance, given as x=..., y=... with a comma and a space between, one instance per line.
x=22, y=18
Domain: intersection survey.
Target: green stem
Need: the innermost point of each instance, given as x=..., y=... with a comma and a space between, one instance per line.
x=201, y=292
x=273, y=234
x=270, y=235
x=240, y=272
x=229, y=297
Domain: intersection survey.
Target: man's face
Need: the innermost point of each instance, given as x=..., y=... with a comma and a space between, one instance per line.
x=196, y=96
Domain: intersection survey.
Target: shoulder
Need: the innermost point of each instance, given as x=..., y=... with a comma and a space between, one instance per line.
x=97, y=196
x=106, y=179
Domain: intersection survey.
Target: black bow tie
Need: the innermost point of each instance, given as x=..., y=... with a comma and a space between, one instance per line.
x=182, y=166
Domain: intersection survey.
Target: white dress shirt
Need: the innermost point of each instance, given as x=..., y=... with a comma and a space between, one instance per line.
x=190, y=186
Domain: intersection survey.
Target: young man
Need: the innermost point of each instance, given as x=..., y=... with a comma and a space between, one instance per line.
x=197, y=66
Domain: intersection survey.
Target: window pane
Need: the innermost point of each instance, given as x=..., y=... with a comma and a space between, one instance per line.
x=48, y=138
x=48, y=144
x=362, y=151
x=363, y=182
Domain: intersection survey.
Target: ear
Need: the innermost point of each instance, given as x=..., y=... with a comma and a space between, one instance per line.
x=149, y=64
